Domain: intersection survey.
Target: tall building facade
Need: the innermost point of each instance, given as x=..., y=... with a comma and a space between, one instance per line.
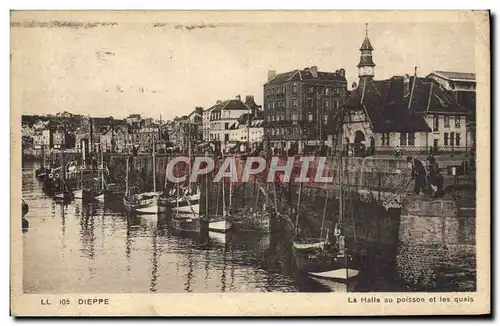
x=299, y=107
x=412, y=113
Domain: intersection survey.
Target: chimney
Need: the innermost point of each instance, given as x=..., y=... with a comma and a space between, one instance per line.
x=314, y=71
x=238, y=97
x=218, y=102
x=271, y=74
x=406, y=82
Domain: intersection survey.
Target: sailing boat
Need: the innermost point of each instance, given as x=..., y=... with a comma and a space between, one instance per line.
x=62, y=191
x=43, y=171
x=142, y=203
x=185, y=200
x=96, y=186
x=309, y=243
x=222, y=223
x=333, y=265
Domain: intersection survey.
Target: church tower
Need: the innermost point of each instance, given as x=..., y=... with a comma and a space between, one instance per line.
x=366, y=66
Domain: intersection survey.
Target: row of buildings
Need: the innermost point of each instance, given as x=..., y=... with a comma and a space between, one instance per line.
x=68, y=131
x=303, y=110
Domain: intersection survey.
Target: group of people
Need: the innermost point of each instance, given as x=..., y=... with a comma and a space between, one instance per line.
x=428, y=181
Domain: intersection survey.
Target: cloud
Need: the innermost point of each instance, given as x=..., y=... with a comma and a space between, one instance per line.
x=61, y=24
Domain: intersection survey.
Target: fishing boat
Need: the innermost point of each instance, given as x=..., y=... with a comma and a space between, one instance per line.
x=96, y=186
x=145, y=202
x=257, y=219
x=307, y=243
x=179, y=199
x=221, y=223
x=62, y=190
x=43, y=171
x=330, y=262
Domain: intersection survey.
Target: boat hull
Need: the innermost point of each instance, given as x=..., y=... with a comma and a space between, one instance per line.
x=313, y=245
x=78, y=194
x=337, y=280
x=187, y=223
x=221, y=226
x=187, y=209
x=141, y=206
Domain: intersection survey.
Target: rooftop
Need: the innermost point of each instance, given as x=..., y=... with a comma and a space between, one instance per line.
x=306, y=74
x=455, y=76
x=392, y=108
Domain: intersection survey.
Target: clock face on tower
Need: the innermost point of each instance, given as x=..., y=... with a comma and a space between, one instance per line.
x=366, y=71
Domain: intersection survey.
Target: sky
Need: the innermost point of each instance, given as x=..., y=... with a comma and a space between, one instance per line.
x=117, y=64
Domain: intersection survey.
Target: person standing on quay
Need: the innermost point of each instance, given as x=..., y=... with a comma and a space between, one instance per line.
x=418, y=173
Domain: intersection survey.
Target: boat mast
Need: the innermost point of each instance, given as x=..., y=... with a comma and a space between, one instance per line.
x=341, y=204
x=43, y=156
x=206, y=191
x=126, y=179
x=102, y=168
x=178, y=194
x=154, y=166
x=298, y=210
x=223, y=194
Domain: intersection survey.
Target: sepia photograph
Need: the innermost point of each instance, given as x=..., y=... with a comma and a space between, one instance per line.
x=320, y=156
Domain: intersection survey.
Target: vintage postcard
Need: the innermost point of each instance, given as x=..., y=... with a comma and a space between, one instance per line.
x=250, y=163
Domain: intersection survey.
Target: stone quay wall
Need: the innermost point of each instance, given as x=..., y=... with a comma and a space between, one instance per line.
x=436, y=248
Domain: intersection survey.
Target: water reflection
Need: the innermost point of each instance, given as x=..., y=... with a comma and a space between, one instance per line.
x=79, y=246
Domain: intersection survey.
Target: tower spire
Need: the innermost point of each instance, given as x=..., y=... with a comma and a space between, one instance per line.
x=366, y=65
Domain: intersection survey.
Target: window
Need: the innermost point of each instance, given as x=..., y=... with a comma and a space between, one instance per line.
x=445, y=139
x=457, y=121
x=310, y=89
x=446, y=121
x=294, y=88
x=411, y=139
x=309, y=102
x=294, y=102
x=452, y=139
x=435, y=125
x=310, y=117
x=283, y=89
x=327, y=90
x=326, y=117
x=283, y=103
x=335, y=104
x=226, y=125
x=457, y=142
x=325, y=103
x=402, y=139
x=295, y=116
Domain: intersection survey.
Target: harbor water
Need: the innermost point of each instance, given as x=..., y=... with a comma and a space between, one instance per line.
x=97, y=247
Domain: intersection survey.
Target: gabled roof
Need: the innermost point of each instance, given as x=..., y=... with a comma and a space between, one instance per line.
x=306, y=74
x=391, y=110
x=230, y=105
x=455, y=76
